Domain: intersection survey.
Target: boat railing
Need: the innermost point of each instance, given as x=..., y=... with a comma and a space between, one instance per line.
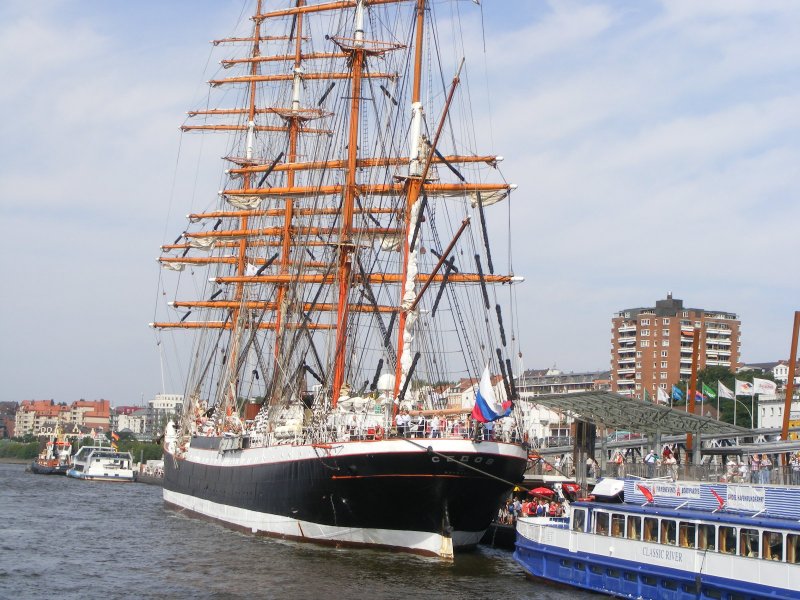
x=712, y=472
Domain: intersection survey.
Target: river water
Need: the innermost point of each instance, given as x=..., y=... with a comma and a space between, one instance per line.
x=64, y=538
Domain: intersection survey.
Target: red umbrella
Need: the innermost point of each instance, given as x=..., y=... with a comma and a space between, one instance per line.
x=541, y=491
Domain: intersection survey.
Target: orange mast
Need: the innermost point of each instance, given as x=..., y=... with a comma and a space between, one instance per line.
x=350, y=191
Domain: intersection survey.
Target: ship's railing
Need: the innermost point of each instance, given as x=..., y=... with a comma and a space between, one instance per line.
x=714, y=472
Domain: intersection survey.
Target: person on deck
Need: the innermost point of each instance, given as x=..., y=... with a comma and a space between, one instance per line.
x=403, y=421
x=619, y=461
x=435, y=427
x=650, y=461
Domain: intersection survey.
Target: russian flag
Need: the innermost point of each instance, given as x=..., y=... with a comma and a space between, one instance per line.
x=486, y=407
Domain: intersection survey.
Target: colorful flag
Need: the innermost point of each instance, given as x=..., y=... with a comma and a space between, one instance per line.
x=744, y=388
x=764, y=386
x=486, y=407
x=662, y=397
x=708, y=392
x=677, y=393
x=724, y=392
x=698, y=396
x=114, y=436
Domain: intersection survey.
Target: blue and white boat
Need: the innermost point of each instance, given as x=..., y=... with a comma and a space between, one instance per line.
x=676, y=540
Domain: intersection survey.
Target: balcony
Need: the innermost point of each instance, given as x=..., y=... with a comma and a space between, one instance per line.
x=718, y=329
x=626, y=329
x=626, y=371
x=686, y=371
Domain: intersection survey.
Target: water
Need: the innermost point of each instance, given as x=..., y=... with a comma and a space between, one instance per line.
x=66, y=538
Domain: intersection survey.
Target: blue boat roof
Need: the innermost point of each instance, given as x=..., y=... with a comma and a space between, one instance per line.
x=741, y=504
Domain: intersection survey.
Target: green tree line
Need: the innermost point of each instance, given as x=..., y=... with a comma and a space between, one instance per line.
x=19, y=450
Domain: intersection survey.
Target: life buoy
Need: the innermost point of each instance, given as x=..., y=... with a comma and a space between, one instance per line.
x=379, y=433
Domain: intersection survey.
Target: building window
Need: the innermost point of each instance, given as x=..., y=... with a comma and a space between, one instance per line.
x=664, y=353
x=665, y=321
x=663, y=364
x=665, y=332
x=663, y=375
x=665, y=343
x=644, y=343
x=638, y=355
x=638, y=386
x=645, y=321
x=645, y=332
x=663, y=386
x=697, y=324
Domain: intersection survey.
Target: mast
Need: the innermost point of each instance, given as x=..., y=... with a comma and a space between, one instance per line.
x=231, y=389
x=346, y=247
x=286, y=234
x=414, y=186
x=317, y=227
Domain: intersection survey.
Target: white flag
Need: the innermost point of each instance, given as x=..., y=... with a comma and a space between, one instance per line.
x=764, y=386
x=744, y=388
x=724, y=392
x=662, y=397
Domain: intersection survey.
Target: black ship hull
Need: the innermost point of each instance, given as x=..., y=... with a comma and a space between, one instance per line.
x=423, y=496
x=40, y=469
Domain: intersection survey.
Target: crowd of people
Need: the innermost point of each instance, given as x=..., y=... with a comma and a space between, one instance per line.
x=530, y=507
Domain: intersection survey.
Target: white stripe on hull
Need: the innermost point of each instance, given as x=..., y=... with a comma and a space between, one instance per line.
x=418, y=542
x=289, y=452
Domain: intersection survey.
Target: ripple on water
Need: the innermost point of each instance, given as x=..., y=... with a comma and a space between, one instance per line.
x=64, y=535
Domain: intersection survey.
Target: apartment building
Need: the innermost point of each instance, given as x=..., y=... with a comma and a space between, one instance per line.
x=34, y=416
x=651, y=347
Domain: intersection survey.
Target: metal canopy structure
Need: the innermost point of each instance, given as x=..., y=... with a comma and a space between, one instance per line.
x=620, y=412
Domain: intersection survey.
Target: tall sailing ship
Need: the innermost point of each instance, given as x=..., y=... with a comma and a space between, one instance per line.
x=345, y=275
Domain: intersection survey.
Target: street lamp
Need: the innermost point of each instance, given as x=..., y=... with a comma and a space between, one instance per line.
x=749, y=413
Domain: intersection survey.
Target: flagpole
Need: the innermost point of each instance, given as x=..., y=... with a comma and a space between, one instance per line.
x=718, y=415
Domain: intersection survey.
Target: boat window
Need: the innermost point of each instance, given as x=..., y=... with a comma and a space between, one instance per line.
x=579, y=519
x=650, y=530
x=792, y=548
x=686, y=534
x=634, y=528
x=618, y=525
x=772, y=544
x=706, y=537
x=748, y=542
x=668, y=530
x=727, y=540
x=601, y=523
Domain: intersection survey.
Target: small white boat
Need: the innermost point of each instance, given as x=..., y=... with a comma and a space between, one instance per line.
x=102, y=463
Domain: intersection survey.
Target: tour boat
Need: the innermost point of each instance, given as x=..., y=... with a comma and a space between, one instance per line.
x=102, y=463
x=344, y=276
x=681, y=540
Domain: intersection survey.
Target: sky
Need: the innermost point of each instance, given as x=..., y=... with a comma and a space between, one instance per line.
x=655, y=144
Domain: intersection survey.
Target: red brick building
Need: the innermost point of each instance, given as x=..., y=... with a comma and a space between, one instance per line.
x=651, y=348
